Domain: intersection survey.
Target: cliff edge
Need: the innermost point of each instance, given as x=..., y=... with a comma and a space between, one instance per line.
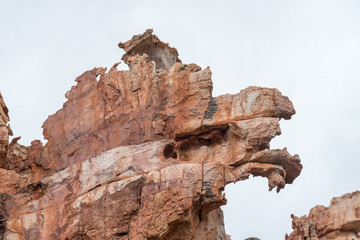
x=141, y=154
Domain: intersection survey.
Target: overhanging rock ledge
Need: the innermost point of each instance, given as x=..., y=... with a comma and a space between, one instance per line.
x=141, y=154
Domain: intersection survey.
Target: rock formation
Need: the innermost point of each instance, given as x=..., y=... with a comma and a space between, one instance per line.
x=339, y=221
x=141, y=154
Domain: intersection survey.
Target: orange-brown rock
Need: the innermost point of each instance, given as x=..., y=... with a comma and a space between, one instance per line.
x=339, y=221
x=142, y=154
x=13, y=156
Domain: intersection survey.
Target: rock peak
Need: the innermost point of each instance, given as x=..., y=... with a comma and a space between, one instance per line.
x=147, y=43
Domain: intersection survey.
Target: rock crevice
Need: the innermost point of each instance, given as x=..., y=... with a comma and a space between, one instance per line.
x=141, y=154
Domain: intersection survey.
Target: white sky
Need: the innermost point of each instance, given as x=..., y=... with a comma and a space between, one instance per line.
x=309, y=50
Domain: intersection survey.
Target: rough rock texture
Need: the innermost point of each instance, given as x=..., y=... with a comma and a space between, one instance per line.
x=339, y=221
x=141, y=154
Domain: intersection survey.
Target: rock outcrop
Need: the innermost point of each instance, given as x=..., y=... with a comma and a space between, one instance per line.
x=141, y=154
x=339, y=221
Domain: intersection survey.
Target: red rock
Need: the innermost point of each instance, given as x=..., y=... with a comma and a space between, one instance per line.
x=5, y=130
x=339, y=221
x=142, y=154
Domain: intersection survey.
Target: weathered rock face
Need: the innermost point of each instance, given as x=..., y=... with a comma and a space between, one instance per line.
x=339, y=221
x=141, y=154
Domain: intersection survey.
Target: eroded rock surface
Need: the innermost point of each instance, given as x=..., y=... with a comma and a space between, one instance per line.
x=339, y=221
x=141, y=154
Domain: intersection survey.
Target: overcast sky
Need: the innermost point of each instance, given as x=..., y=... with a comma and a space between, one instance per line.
x=309, y=50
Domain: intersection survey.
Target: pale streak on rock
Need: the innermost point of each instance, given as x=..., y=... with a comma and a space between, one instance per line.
x=141, y=154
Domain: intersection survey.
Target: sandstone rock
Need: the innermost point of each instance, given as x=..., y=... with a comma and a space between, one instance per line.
x=341, y=220
x=161, y=53
x=5, y=130
x=142, y=154
x=13, y=156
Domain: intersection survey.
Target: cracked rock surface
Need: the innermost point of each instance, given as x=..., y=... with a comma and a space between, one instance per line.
x=339, y=221
x=141, y=154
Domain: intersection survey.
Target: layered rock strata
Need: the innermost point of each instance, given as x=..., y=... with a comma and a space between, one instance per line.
x=141, y=154
x=339, y=221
